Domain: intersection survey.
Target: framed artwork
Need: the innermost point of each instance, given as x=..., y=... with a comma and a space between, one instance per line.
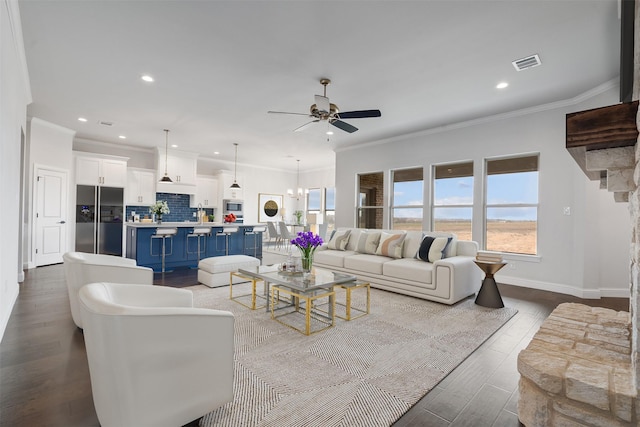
x=269, y=206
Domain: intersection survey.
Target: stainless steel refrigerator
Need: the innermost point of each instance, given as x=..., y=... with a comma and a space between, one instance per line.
x=99, y=217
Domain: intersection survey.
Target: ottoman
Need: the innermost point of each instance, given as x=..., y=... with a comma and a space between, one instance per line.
x=216, y=271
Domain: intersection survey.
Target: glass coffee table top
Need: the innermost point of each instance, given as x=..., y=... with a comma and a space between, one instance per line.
x=303, y=282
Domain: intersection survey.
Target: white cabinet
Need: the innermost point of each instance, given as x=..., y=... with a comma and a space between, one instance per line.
x=206, y=193
x=225, y=179
x=181, y=166
x=141, y=187
x=102, y=171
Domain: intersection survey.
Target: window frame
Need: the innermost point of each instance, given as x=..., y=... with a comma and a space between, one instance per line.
x=378, y=209
x=393, y=206
x=470, y=206
x=486, y=205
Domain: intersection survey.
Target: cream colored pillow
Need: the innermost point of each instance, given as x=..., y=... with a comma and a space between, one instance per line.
x=390, y=245
x=339, y=240
x=368, y=242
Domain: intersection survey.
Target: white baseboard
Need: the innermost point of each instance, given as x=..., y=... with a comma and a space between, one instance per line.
x=564, y=289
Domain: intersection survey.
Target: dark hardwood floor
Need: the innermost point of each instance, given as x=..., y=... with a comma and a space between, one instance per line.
x=44, y=377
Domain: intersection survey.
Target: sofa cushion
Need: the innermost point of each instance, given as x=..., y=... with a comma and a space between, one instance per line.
x=452, y=248
x=366, y=263
x=409, y=269
x=339, y=240
x=433, y=249
x=391, y=245
x=368, y=242
x=332, y=258
x=411, y=244
x=352, y=244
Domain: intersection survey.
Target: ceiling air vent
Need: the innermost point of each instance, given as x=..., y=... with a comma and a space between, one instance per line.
x=103, y=123
x=528, y=62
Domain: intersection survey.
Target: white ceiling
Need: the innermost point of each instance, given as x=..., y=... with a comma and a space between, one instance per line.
x=219, y=66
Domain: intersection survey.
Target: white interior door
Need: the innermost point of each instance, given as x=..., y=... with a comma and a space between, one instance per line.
x=50, y=216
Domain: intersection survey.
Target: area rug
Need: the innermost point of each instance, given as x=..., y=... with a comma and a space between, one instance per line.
x=364, y=372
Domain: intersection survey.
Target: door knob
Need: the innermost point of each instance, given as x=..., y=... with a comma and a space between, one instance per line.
x=62, y=222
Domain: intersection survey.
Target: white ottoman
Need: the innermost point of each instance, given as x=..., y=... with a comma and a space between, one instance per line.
x=216, y=271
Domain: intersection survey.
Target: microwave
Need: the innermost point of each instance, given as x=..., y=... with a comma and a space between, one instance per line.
x=232, y=206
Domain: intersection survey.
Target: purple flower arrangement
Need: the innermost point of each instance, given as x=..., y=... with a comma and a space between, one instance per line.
x=307, y=242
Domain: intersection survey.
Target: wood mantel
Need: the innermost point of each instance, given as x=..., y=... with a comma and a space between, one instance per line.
x=607, y=127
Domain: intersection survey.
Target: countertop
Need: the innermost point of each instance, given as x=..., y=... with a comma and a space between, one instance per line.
x=188, y=224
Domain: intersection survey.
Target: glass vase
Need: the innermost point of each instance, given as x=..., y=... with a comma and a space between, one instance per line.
x=307, y=262
x=159, y=218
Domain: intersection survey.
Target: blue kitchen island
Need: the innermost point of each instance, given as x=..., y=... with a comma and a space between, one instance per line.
x=182, y=250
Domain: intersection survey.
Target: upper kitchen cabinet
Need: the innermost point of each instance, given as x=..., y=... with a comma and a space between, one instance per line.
x=206, y=193
x=104, y=171
x=225, y=180
x=141, y=187
x=181, y=168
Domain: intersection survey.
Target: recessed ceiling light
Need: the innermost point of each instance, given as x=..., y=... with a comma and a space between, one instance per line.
x=216, y=152
x=82, y=119
x=147, y=78
x=174, y=146
x=502, y=85
x=329, y=132
x=122, y=137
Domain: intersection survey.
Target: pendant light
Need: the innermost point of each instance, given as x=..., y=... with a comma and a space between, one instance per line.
x=235, y=169
x=299, y=189
x=166, y=178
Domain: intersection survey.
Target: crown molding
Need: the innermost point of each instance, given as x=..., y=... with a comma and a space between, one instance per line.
x=15, y=23
x=602, y=88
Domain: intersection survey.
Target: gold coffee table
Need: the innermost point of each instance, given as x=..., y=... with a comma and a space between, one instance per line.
x=348, y=305
x=308, y=298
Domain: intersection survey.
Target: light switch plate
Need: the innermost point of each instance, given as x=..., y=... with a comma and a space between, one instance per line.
x=567, y=210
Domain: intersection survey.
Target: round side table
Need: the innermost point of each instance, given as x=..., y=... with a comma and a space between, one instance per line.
x=489, y=295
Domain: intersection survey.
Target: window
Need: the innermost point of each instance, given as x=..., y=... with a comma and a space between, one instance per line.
x=512, y=205
x=330, y=209
x=407, y=203
x=370, y=200
x=314, y=200
x=453, y=199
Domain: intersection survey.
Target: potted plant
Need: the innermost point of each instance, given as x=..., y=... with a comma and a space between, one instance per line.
x=298, y=215
x=307, y=242
x=158, y=209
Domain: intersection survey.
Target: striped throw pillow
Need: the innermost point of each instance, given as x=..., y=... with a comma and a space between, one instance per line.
x=390, y=245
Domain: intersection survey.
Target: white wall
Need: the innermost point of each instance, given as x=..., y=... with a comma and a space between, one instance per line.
x=15, y=95
x=585, y=254
x=50, y=145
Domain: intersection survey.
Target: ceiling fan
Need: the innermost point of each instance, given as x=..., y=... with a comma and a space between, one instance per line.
x=323, y=110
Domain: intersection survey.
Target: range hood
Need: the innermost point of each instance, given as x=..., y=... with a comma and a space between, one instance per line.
x=175, y=188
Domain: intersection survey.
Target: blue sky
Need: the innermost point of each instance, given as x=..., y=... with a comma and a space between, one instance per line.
x=504, y=188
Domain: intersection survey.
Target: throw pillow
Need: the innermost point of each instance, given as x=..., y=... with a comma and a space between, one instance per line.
x=368, y=243
x=339, y=240
x=390, y=245
x=433, y=248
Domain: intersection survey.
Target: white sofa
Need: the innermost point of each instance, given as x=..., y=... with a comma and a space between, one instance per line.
x=447, y=280
x=154, y=359
x=82, y=268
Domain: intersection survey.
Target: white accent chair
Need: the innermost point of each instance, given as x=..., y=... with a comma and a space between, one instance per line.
x=154, y=359
x=81, y=268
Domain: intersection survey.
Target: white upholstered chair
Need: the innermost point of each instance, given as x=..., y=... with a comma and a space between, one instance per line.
x=154, y=359
x=81, y=268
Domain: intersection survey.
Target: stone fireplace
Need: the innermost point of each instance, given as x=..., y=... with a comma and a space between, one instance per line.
x=582, y=368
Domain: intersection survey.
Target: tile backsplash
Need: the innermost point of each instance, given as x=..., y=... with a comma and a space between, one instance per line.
x=178, y=205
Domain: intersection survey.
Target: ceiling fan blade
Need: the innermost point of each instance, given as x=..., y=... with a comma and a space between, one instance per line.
x=358, y=114
x=322, y=103
x=344, y=126
x=286, y=112
x=306, y=125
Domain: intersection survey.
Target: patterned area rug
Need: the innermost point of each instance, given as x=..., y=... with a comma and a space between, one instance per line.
x=365, y=372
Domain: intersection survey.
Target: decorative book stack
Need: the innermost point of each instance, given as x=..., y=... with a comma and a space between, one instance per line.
x=488, y=256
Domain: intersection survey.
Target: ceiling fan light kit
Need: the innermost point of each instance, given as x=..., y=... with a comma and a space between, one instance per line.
x=324, y=110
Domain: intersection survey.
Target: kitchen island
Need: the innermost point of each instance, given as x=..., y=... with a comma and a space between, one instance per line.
x=182, y=249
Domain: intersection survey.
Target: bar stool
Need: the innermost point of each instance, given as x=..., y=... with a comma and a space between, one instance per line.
x=226, y=232
x=198, y=233
x=256, y=231
x=164, y=234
